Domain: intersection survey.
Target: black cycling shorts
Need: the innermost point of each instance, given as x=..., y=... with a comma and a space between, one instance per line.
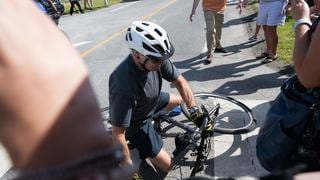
x=146, y=139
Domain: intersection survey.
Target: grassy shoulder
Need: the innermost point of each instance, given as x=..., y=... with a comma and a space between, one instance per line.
x=97, y=4
x=286, y=41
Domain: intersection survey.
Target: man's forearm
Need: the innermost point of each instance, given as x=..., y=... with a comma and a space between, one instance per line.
x=300, y=48
x=185, y=91
x=195, y=5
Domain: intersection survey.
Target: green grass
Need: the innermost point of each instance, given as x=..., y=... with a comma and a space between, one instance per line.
x=253, y=5
x=97, y=4
x=286, y=41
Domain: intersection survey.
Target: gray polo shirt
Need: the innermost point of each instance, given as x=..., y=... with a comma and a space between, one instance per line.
x=133, y=93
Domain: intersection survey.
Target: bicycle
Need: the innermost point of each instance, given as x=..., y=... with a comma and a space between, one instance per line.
x=222, y=114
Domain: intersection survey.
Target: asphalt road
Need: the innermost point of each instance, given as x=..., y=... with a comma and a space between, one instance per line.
x=99, y=37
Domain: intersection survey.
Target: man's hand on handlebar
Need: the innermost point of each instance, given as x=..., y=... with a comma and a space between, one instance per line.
x=196, y=116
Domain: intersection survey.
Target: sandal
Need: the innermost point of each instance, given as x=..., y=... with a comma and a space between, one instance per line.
x=262, y=55
x=269, y=59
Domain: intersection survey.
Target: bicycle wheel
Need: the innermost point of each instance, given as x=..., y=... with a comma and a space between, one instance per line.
x=233, y=116
x=106, y=119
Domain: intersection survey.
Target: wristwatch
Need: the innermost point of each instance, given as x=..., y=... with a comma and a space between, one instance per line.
x=193, y=109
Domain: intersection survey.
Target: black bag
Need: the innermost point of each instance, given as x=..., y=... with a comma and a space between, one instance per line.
x=284, y=133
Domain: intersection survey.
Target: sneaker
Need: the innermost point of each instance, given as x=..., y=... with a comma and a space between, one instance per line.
x=262, y=55
x=253, y=38
x=222, y=50
x=269, y=59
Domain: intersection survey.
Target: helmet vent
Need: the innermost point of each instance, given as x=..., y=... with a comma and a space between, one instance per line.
x=139, y=29
x=127, y=37
x=158, y=32
x=166, y=43
x=130, y=37
x=159, y=48
x=145, y=24
x=149, y=37
x=148, y=47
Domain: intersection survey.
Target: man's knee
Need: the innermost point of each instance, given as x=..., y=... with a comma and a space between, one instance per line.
x=163, y=161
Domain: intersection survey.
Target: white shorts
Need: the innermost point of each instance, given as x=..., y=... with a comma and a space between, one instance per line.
x=271, y=13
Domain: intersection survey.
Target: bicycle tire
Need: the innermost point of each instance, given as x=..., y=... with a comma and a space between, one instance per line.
x=106, y=119
x=234, y=117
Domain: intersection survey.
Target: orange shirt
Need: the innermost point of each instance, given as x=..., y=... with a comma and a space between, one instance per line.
x=214, y=5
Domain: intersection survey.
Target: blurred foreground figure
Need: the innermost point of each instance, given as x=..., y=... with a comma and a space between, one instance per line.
x=50, y=121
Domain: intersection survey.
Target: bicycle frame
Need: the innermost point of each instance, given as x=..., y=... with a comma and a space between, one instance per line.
x=223, y=114
x=193, y=134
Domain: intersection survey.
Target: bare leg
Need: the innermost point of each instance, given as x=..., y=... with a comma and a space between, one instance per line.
x=91, y=3
x=267, y=38
x=273, y=40
x=86, y=4
x=163, y=161
x=257, y=30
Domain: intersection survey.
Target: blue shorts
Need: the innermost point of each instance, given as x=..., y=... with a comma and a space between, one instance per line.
x=146, y=139
x=271, y=13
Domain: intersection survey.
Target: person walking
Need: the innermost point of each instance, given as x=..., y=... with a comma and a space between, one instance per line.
x=75, y=2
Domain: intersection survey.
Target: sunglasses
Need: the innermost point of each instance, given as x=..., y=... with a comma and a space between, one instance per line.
x=155, y=61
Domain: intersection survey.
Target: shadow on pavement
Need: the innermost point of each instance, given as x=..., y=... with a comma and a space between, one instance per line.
x=234, y=49
x=232, y=70
x=232, y=164
x=238, y=21
x=252, y=85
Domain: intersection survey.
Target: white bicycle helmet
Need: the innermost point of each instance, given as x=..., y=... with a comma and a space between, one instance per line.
x=150, y=40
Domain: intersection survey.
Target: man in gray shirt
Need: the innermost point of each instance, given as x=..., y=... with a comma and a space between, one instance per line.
x=135, y=92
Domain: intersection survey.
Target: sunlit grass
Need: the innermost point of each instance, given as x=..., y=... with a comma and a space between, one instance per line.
x=97, y=4
x=286, y=41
